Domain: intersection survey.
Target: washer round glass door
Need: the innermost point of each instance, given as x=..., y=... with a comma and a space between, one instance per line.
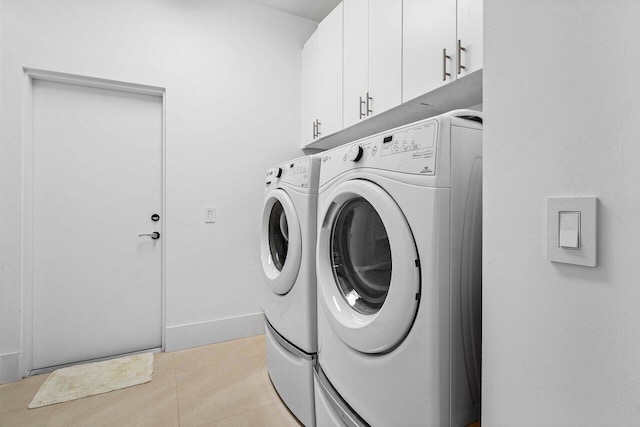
x=368, y=273
x=361, y=256
x=281, y=242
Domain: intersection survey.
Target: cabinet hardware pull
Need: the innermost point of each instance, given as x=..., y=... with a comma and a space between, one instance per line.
x=444, y=65
x=369, y=110
x=314, y=130
x=318, y=133
x=360, y=109
x=458, y=55
x=154, y=235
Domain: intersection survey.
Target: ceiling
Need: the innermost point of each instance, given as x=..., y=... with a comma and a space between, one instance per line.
x=315, y=10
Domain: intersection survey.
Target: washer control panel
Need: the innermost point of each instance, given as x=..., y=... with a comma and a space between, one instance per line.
x=419, y=140
x=411, y=149
x=297, y=173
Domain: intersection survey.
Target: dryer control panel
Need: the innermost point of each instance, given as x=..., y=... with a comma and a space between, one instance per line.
x=419, y=141
x=411, y=149
x=297, y=173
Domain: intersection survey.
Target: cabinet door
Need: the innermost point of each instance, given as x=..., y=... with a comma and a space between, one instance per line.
x=356, y=58
x=309, y=88
x=330, y=73
x=429, y=27
x=470, y=35
x=385, y=54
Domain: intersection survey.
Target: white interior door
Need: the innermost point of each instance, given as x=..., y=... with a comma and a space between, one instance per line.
x=97, y=181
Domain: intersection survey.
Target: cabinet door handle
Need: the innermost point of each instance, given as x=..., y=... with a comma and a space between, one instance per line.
x=369, y=104
x=314, y=130
x=318, y=133
x=444, y=65
x=155, y=235
x=458, y=55
x=360, y=108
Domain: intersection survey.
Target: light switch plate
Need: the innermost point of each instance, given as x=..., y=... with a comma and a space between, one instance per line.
x=586, y=253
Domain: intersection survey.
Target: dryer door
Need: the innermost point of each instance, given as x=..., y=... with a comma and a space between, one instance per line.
x=280, y=242
x=368, y=269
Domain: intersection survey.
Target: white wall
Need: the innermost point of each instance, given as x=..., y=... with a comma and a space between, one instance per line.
x=231, y=69
x=561, y=90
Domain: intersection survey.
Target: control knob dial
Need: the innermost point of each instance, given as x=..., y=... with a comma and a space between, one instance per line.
x=355, y=153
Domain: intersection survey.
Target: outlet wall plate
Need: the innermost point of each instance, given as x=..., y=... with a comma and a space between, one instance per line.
x=587, y=252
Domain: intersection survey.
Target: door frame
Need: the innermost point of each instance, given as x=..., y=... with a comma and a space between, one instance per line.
x=30, y=76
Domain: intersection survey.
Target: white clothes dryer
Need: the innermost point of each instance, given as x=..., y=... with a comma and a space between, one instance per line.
x=399, y=276
x=288, y=242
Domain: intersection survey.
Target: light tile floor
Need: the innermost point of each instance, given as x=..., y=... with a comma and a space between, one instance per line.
x=219, y=385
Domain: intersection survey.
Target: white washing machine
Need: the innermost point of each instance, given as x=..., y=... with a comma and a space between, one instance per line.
x=288, y=243
x=399, y=276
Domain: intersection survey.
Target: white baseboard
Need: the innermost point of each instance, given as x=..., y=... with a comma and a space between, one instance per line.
x=213, y=331
x=9, y=367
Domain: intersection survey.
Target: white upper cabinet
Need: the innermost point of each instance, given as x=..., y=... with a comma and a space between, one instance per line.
x=330, y=78
x=372, y=58
x=356, y=59
x=429, y=33
x=369, y=56
x=322, y=79
x=469, y=15
x=309, y=88
x=385, y=54
x=442, y=41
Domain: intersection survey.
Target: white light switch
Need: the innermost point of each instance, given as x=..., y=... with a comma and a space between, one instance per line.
x=569, y=230
x=210, y=215
x=572, y=230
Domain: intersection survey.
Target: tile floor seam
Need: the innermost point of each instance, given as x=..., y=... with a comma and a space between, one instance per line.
x=49, y=418
x=238, y=414
x=219, y=363
x=175, y=381
x=253, y=339
x=55, y=408
x=257, y=357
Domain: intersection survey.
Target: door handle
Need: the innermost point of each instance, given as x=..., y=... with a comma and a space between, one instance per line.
x=155, y=235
